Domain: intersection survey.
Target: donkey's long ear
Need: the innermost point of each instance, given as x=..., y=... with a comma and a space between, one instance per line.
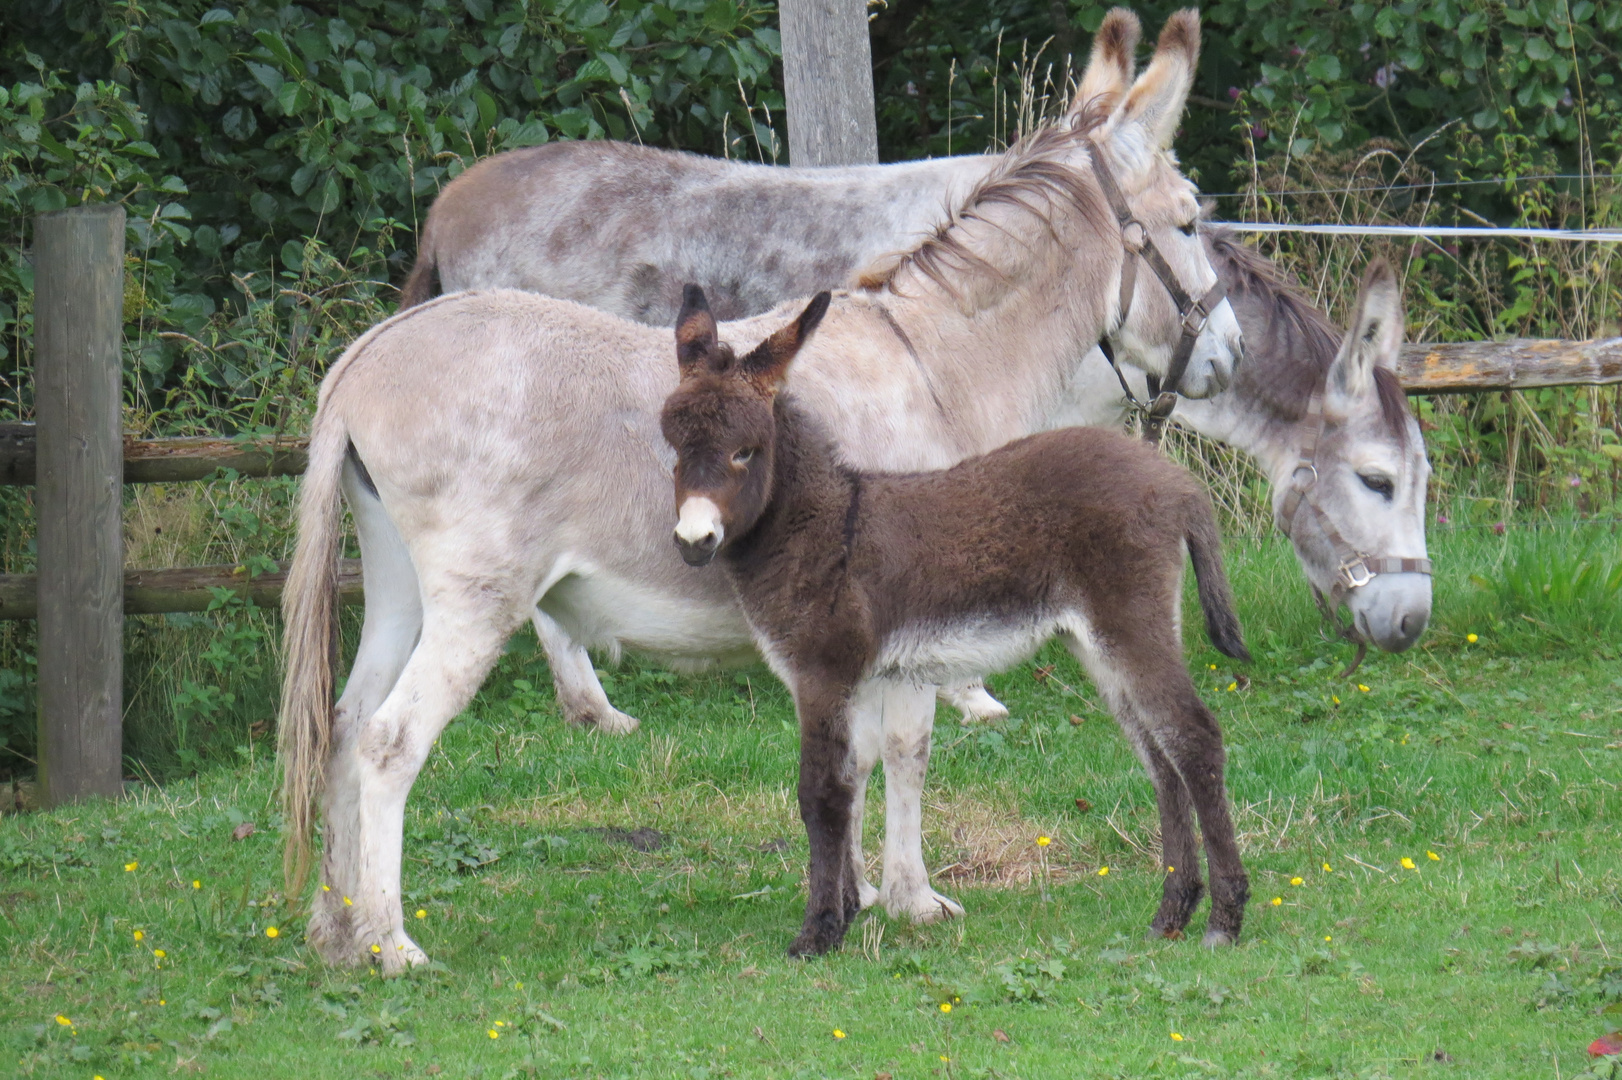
x=695, y=330
x=1155, y=102
x=1373, y=340
x=768, y=363
x=1109, y=69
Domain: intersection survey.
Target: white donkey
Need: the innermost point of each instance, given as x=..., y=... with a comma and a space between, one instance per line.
x=499, y=470
x=623, y=228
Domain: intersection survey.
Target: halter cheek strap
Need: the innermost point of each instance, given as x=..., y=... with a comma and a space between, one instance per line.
x=1194, y=313
x=1353, y=569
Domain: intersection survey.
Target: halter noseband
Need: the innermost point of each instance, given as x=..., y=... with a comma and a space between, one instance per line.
x=1193, y=313
x=1355, y=569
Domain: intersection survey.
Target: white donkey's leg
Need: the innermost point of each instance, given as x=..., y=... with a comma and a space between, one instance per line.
x=909, y=720
x=973, y=701
x=392, y=625
x=866, y=739
x=580, y=692
x=358, y=915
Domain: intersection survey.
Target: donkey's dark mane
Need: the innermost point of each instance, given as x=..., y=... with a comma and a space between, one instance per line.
x=1032, y=179
x=1288, y=365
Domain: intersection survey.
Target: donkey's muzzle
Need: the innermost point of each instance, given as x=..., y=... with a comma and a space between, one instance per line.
x=698, y=552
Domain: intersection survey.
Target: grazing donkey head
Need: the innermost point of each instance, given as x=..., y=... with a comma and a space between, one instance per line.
x=1156, y=206
x=722, y=426
x=1355, y=505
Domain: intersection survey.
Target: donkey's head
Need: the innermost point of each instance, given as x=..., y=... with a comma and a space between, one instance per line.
x=721, y=423
x=1133, y=144
x=1364, y=478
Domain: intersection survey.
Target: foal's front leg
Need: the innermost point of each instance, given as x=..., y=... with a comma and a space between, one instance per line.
x=827, y=792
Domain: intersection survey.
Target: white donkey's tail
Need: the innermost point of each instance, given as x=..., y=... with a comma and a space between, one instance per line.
x=310, y=644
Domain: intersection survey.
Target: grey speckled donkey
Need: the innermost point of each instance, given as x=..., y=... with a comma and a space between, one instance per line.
x=850, y=582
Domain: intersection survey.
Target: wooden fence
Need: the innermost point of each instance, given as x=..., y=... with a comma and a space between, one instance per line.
x=77, y=461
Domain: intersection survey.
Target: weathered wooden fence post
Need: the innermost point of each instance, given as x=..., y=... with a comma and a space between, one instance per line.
x=79, y=488
x=828, y=82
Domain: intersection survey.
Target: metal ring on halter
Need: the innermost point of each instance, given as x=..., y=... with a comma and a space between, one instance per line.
x=1134, y=245
x=1307, y=467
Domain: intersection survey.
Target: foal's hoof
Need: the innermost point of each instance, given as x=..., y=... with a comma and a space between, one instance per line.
x=1215, y=939
x=866, y=895
x=1174, y=933
x=980, y=707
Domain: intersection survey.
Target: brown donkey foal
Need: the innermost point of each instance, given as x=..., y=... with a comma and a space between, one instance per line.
x=851, y=581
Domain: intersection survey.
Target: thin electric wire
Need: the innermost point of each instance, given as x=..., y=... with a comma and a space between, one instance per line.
x=1592, y=236
x=1502, y=180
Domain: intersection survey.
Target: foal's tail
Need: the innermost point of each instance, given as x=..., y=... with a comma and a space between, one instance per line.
x=1205, y=549
x=310, y=644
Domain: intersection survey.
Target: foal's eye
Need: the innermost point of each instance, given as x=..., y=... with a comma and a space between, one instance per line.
x=1380, y=485
x=1188, y=229
x=743, y=457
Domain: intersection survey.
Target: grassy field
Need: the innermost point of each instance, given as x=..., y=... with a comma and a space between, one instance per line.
x=601, y=906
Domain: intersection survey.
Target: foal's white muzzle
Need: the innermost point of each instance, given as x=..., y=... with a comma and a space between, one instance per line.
x=699, y=530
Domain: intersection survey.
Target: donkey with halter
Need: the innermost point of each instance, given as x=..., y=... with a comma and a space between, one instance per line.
x=498, y=469
x=852, y=588
x=660, y=218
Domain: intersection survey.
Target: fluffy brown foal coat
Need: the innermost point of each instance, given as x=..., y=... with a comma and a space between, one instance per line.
x=850, y=578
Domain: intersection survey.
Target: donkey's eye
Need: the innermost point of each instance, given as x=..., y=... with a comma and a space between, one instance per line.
x=743, y=457
x=1380, y=485
x=1190, y=228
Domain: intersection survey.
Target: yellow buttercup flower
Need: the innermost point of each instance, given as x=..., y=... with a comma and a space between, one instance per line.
x=1471, y=638
x=1233, y=685
x=1432, y=856
x=377, y=949
x=1103, y=871
x=196, y=884
x=1171, y=869
x=421, y=914
x=159, y=953
x=1327, y=870
x=501, y=1023
x=1176, y=1037
x=1295, y=881
x=348, y=902
x=64, y=1021
x=1408, y=864
x=1363, y=688
x=945, y=1058
x=271, y=931
x=139, y=935
x=326, y=887
x=946, y=1006
x=1277, y=900
x=493, y=1033
x=1213, y=667
x=1043, y=841
x=129, y=867
x=1328, y=938
x=838, y=1034
x=1335, y=699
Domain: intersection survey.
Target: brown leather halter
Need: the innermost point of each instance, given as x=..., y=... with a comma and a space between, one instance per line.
x=1193, y=313
x=1355, y=569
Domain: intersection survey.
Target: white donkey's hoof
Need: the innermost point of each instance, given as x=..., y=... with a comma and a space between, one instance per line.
x=926, y=906
x=978, y=706
x=398, y=953
x=866, y=894
x=618, y=723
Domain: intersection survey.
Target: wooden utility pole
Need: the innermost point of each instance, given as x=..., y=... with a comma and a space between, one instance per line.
x=828, y=82
x=79, y=488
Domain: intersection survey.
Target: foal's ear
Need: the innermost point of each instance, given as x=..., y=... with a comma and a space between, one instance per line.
x=1372, y=341
x=768, y=362
x=1156, y=100
x=1109, y=69
x=695, y=330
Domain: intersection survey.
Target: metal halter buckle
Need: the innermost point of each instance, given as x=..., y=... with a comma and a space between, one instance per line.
x=1190, y=325
x=1356, y=573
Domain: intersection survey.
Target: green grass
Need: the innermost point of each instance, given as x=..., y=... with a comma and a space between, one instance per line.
x=1502, y=757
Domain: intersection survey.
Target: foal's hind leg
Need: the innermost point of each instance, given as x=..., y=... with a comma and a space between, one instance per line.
x=974, y=702
x=866, y=736
x=1179, y=852
x=357, y=916
x=580, y=692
